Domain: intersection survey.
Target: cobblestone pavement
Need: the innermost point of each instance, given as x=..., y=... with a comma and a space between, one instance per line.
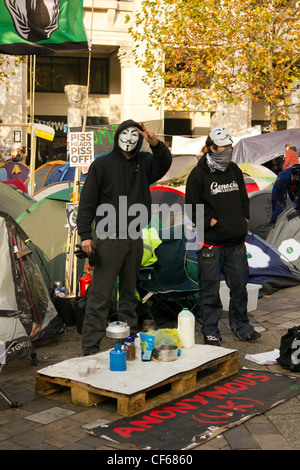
x=63, y=425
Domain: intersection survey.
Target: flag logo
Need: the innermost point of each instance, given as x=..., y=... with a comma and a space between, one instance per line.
x=42, y=27
x=34, y=20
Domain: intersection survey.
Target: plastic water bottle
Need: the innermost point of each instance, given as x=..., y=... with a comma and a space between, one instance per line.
x=186, y=328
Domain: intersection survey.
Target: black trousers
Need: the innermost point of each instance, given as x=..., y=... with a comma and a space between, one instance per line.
x=115, y=258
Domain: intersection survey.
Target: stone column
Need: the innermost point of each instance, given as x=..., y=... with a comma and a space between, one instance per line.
x=294, y=109
x=125, y=58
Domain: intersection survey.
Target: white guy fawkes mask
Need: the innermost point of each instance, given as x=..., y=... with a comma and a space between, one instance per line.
x=128, y=139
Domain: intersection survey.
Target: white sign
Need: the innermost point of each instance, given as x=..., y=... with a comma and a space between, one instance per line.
x=81, y=147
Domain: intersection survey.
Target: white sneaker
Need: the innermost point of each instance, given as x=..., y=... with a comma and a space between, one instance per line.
x=212, y=340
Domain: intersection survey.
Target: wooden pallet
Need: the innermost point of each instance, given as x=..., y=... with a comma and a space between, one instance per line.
x=151, y=397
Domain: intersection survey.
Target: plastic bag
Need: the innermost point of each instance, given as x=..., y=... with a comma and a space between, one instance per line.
x=166, y=336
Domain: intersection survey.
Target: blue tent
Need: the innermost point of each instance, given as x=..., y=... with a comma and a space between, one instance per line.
x=64, y=173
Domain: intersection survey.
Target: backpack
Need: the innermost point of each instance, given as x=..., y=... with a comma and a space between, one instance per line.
x=289, y=351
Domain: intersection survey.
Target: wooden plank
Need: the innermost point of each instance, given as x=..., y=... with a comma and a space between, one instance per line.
x=130, y=405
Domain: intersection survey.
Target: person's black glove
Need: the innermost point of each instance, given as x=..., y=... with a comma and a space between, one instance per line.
x=82, y=254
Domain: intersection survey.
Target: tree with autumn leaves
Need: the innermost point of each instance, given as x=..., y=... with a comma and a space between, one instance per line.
x=200, y=54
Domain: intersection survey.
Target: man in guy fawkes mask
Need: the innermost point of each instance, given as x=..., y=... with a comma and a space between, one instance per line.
x=218, y=184
x=116, y=187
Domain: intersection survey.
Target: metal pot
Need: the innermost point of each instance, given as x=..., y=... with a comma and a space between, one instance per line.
x=166, y=353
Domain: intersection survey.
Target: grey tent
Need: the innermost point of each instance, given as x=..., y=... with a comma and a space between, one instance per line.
x=45, y=171
x=27, y=314
x=265, y=147
x=260, y=212
x=180, y=169
x=285, y=238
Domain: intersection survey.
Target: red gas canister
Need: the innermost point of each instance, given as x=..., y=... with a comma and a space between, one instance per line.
x=85, y=281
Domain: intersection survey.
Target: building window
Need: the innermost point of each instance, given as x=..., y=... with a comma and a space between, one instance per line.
x=53, y=73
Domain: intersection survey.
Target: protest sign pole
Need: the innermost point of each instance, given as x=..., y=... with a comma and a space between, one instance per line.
x=71, y=265
x=33, y=132
x=75, y=94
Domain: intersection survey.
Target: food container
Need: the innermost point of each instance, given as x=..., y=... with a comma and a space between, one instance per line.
x=166, y=353
x=148, y=325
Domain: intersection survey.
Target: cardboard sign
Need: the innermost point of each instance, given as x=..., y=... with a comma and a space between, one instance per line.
x=192, y=419
x=81, y=147
x=43, y=131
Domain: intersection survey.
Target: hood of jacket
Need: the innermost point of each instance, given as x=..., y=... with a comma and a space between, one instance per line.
x=124, y=125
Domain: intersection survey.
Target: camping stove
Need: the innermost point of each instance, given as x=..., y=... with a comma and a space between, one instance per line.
x=118, y=331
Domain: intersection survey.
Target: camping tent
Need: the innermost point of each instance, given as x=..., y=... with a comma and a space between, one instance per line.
x=44, y=172
x=265, y=266
x=27, y=315
x=285, y=237
x=265, y=147
x=54, y=188
x=64, y=173
x=45, y=223
x=180, y=168
x=260, y=212
x=254, y=184
x=3, y=174
x=16, y=169
x=258, y=171
x=12, y=201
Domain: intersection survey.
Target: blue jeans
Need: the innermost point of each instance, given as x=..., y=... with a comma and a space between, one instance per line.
x=232, y=262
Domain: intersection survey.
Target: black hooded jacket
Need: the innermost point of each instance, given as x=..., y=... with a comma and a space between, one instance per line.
x=113, y=175
x=225, y=199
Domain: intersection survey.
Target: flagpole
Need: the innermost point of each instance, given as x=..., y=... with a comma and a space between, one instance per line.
x=75, y=195
x=78, y=169
x=33, y=131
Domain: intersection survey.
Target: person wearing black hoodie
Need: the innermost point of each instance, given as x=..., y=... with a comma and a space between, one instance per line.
x=218, y=184
x=115, y=190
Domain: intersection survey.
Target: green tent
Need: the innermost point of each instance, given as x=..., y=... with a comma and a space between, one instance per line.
x=45, y=223
x=13, y=201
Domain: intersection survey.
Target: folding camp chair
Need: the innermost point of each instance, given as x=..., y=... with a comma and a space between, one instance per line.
x=166, y=284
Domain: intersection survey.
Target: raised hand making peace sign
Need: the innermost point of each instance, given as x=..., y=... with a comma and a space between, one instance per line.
x=148, y=135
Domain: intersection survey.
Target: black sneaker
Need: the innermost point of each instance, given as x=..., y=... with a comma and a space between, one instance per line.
x=253, y=337
x=212, y=340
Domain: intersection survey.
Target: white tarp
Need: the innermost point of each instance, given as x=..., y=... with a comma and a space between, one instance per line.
x=187, y=145
x=139, y=375
x=193, y=145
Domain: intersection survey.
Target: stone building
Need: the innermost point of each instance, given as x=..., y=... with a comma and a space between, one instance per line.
x=117, y=91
